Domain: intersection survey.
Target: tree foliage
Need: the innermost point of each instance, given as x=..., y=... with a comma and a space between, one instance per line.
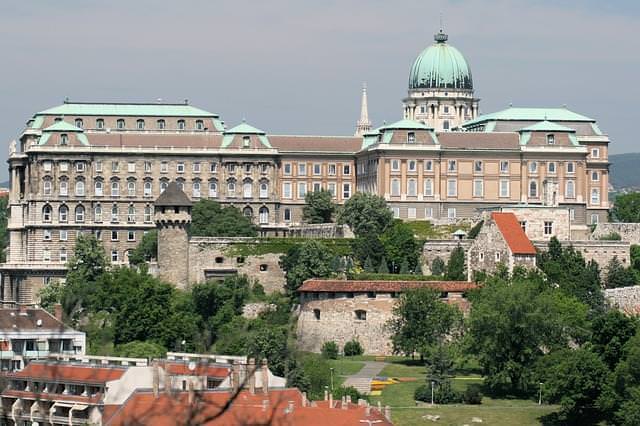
x=146, y=250
x=137, y=349
x=210, y=219
x=626, y=208
x=617, y=275
x=367, y=246
x=456, y=266
x=400, y=247
x=420, y=320
x=437, y=267
x=312, y=259
x=319, y=207
x=366, y=214
x=610, y=331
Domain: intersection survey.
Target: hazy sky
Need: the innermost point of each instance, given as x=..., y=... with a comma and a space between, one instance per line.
x=293, y=66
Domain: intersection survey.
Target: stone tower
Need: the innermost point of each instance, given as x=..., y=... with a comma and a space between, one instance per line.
x=363, y=125
x=173, y=217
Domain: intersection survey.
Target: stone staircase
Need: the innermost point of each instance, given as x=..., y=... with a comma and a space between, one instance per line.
x=362, y=384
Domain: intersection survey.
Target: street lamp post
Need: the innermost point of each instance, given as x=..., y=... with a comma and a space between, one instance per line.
x=331, y=371
x=432, y=384
x=540, y=397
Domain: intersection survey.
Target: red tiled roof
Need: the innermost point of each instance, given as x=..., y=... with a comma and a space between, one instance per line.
x=69, y=373
x=341, y=144
x=247, y=408
x=182, y=369
x=513, y=234
x=356, y=286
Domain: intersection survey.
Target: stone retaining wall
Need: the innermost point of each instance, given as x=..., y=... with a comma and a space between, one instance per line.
x=629, y=232
x=627, y=299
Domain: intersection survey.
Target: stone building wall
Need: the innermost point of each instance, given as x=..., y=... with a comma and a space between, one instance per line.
x=535, y=218
x=487, y=250
x=213, y=258
x=627, y=299
x=600, y=251
x=629, y=232
x=338, y=322
x=441, y=249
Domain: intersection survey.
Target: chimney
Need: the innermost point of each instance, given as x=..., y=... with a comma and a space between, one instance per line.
x=290, y=407
x=387, y=412
x=235, y=376
x=343, y=403
x=191, y=393
x=326, y=394
x=265, y=377
x=330, y=400
x=57, y=309
x=304, y=399
x=156, y=379
x=367, y=411
x=252, y=375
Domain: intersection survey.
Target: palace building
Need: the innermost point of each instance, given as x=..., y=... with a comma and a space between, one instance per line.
x=99, y=167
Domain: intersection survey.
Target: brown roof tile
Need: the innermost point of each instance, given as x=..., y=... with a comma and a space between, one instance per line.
x=358, y=286
x=513, y=234
x=27, y=320
x=173, y=196
x=342, y=144
x=479, y=140
x=150, y=140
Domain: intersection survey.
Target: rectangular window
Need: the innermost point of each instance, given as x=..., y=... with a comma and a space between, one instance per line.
x=115, y=166
x=523, y=225
x=504, y=166
x=287, y=169
x=412, y=165
x=451, y=213
x=196, y=167
x=478, y=188
x=452, y=187
x=571, y=167
x=131, y=236
x=286, y=190
x=595, y=196
x=346, y=169
x=395, y=165
x=98, y=166
x=396, y=212
x=247, y=168
x=164, y=167
x=428, y=212
x=411, y=213
x=551, y=168
x=411, y=137
x=548, y=228
x=595, y=219
x=114, y=235
x=595, y=176
x=395, y=187
x=428, y=165
x=572, y=214
x=477, y=166
x=551, y=140
x=131, y=167
x=147, y=166
x=452, y=166
x=213, y=168
x=595, y=152
x=331, y=170
x=47, y=166
x=63, y=235
x=317, y=186
x=504, y=187
x=428, y=187
x=346, y=191
x=46, y=234
x=114, y=255
x=46, y=255
x=302, y=189
x=317, y=169
x=331, y=187
x=231, y=168
x=180, y=167
x=302, y=169
x=533, y=167
x=287, y=215
x=80, y=166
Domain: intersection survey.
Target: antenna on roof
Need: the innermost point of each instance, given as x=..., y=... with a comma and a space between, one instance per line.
x=66, y=99
x=186, y=101
x=441, y=25
x=510, y=104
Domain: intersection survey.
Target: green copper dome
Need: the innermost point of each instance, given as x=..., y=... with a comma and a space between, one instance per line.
x=440, y=66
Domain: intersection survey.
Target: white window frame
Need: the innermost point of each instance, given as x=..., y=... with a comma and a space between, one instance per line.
x=302, y=169
x=131, y=167
x=428, y=187
x=505, y=184
x=452, y=213
x=571, y=165
x=428, y=165
x=412, y=188
x=452, y=187
x=180, y=167
x=302, y=190
x=346, y=190
x=286, y=190
x=504, y=166
x=478, y=188
x=395, y=187
x=395, y=165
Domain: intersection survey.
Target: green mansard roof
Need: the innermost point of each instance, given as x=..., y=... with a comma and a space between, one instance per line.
x=127, y=109
x=405, y=125
x=530, y=114
x=547, y=126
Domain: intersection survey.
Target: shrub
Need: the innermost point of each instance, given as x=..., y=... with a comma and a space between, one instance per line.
x=437, y=267
x=349, y=391
x=611, y=236
x=353, y=348
x=472, y=395
x=443, y=393
x=330, y=350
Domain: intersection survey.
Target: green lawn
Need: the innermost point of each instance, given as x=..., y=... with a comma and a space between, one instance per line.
x=404, y=410
x=345, y=366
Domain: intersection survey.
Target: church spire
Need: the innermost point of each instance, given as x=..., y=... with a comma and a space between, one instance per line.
x=363, y=125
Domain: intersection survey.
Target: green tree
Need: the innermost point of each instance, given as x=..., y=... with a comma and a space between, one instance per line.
x=366, y=214
x=330, y=350
x=618, y=276
x=456, y=267
x=473, y=232
x=319, y=207
x=146, y=250
x=626, y=208
x=51, y=294
x=420, y=320
x=566, y=268
x=514, y=321
x=573, y=378
x=311, y=259
x=139, y=349
x=271, y=343
x=368, y=265
x=210, y=219
x=437, y=267
x=400, y=246
x=610, y=331
x=367, y=246
x=383, y=268
x=635, y=257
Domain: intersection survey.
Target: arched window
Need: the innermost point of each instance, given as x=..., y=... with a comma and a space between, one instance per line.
x=79, y=214
x=46, y=186
x=180, y=183
x=79, y=122
x=140, y=124
x=64, y=187
x=97, y=213
x=264, y=190
x=213, y=189
x=147, y=188
x=163, y=185
x=120, y=124
x=47, y=213
x=571, y=189
x=533, y=188
x=131, y=188
x=181, y=125
x=114, y=213
x=115, y=188
x=80, y=188
x=131, y=214
x=98, y=188
x=161, y=124
x=63, y=214
x=247, y=212
x=264, y=215
x=64, y=139
x=231, y=188
x=100, y=124
x=412, y=189
x=247, y=189
x=195, y=189
x=199, y=125
x=147, y=213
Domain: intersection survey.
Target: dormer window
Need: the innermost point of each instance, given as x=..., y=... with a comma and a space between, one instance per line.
x=445, y=125
x=411, y=137
x=99, y=124
x=120, y=124
x=140, y=124
x=79, y=122
x=161, y=124
x=551, y=140
x=246, y=142
x=199, y=125
x=181, y=125
x=64, y=139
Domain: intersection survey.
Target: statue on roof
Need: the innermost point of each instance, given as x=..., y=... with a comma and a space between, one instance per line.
x=12, y=147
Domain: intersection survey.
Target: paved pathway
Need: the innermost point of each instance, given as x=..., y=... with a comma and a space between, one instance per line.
x=362, y=379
